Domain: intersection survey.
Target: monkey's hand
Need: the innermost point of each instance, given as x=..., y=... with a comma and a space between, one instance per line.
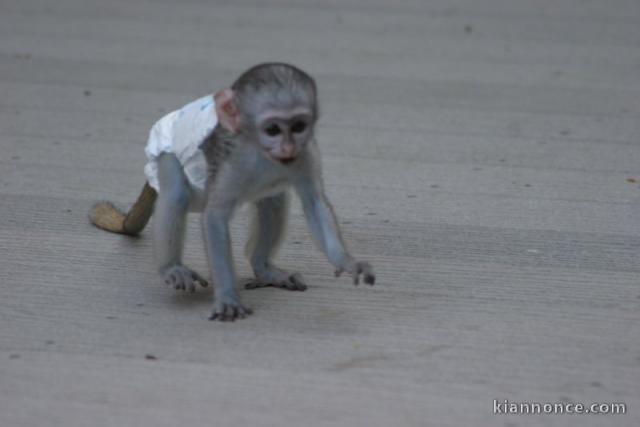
x=357, y=268
x=228, y=307
x=181, y=277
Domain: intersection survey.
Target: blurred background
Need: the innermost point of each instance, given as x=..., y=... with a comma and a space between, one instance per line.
x=482, y=154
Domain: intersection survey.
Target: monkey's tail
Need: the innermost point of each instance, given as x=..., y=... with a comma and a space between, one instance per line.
x=108, y=217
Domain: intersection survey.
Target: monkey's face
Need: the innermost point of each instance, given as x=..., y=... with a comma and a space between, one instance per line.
x=283, y=135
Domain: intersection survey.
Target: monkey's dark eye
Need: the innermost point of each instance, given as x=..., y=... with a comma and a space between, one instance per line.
x=273, y=130
x=298, y=127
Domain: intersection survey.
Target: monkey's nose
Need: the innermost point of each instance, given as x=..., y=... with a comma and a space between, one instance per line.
x=286, y=154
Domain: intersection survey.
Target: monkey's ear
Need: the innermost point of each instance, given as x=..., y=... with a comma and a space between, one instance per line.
x=227, y=110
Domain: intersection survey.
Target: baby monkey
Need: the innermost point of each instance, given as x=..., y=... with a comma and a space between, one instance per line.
x=248, y=143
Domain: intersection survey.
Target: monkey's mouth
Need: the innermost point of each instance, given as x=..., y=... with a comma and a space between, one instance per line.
x=288, y=160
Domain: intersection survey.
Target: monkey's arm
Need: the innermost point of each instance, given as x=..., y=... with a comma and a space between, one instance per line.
x=324, y=227
x=227, y=305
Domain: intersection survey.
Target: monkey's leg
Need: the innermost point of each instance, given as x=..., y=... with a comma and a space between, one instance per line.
x=266, y=234
x=171, y=212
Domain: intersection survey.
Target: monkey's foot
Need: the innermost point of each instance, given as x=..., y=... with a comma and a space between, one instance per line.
x=229, y=309
x=278, y=279
x=181, y=277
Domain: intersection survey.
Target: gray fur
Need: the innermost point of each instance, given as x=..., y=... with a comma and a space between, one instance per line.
x=274, y=85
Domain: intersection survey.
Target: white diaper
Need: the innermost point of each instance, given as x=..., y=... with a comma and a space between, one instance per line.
x=181, y=132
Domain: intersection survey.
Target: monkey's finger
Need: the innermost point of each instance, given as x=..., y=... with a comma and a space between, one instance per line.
x=254, y=284
x=286, y=284
x=290, y=283
x=369, y=278
x=220, y=317
x=367, y=272
x=218, y=314
x=175, y=281
x=298, y=282
x=356, y=275
x=243, y=311
x=187, y=282
x=229, y=313
x=198, y=278
x=232, y=313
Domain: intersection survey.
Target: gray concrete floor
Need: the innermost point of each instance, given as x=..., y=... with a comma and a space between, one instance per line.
x=484, y=155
